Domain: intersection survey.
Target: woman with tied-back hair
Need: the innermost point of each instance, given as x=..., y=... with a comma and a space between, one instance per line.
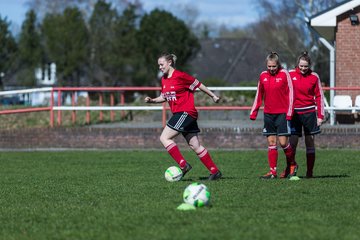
x=275, y=88
x=177, y=88
x=308, y=109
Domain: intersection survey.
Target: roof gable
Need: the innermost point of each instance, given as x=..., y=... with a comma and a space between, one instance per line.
x=329, y=16
x=325, y=22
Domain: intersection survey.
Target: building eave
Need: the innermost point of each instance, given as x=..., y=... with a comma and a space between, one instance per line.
x=325, y=22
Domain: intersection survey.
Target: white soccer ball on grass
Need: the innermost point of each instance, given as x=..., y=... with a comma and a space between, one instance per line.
x=173, y=174
x=196, y=194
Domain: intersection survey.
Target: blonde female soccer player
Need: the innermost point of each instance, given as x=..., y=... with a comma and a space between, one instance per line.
x=178, y=90
x=275, y=88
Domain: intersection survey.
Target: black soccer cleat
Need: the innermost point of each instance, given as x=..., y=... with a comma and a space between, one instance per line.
x=186, y=169
x=215, y=176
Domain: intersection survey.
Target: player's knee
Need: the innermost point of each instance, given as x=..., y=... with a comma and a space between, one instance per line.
x=194, y=147
x=284, y=145
x=163, y=139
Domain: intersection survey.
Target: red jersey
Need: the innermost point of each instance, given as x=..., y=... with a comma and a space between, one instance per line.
x=277, y=92
x=308, y=93
x=178, y=90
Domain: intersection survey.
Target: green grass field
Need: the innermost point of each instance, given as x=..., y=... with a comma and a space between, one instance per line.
x=123, y=195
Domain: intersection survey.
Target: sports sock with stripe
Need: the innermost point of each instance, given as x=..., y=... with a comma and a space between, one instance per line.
x=290, y=154
x=175, y=153
x=207, y=161
x=272, y=158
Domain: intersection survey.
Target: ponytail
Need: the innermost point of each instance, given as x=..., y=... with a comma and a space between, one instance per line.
x=169, y=57
x=273, y=56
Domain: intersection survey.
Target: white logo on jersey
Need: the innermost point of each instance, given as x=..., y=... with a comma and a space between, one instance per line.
x=170, y=96
x=172, y=87
x=264, y=130
x=265, y=79
x=294, y=78
x=278, y=79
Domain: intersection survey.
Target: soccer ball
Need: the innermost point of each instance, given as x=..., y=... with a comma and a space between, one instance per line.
x=173, y=174
x=196, y=194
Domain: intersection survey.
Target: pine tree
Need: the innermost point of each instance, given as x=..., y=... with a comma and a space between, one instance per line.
x=66, y=43
x=161, y=32
x=30, y=51
x=8, y=50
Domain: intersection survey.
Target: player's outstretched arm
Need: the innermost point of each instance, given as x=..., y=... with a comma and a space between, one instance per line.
x=159, y=99
x=203, y=88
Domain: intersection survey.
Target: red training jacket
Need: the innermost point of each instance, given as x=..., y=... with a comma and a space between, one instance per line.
x=277, y=92
x=308, y=94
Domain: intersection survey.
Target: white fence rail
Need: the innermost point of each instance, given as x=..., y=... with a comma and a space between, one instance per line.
x=55, y=94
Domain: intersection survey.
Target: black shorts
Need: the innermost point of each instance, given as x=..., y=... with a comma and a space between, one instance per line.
x=183, y=122
x=276, y=124
x=306, y=121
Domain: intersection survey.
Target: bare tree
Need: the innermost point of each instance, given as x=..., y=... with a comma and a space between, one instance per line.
x=283, y=27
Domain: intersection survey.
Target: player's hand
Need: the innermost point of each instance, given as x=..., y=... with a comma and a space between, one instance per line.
x=319, y=121
x=216, y=98
x=148, y=100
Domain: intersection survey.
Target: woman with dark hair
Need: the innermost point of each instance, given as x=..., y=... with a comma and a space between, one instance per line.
x=308, y=109
x=177, y=88
x=275, y=88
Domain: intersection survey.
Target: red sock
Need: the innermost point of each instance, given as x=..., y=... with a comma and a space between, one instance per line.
x=174, y=152
x=272, y=158
x=207, y=161
x=290, y=155
x=310, y=159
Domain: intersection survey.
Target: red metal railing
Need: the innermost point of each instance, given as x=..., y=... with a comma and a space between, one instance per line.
x=121, y=91
x=110, y=90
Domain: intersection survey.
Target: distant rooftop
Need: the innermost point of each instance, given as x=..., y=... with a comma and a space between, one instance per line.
x=231, y=60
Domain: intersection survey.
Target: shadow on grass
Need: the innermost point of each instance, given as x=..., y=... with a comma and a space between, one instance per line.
x=222, y=178
x=327, y=176
x=187, y=180
x=205, y=179
x=302, y=177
